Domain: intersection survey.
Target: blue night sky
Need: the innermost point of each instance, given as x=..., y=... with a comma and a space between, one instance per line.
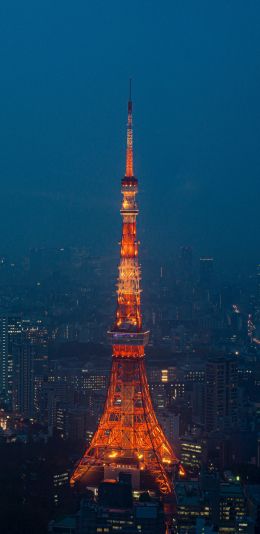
x=63, y=92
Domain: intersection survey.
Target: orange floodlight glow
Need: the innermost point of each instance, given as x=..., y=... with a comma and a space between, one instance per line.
x=128, y=428
x=113, y=455
x=182, y=471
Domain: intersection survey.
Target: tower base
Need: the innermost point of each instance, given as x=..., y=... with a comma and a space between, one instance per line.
x=141, y=480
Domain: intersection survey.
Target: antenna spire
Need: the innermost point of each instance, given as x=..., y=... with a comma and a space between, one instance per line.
x=129, y=147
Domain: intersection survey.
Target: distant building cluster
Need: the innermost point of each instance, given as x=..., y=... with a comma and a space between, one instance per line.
x=203, y=366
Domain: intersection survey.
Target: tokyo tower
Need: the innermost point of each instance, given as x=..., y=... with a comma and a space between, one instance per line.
x=129, y=437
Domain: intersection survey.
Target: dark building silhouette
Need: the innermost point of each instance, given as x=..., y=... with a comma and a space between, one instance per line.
x=23, y=390
x=221, y=394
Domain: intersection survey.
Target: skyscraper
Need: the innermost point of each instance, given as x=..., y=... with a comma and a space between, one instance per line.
x=221, y=394
x=10, y=333
x=23, y=382
x=3, y=356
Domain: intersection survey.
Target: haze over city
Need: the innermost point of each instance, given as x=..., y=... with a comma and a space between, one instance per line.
x=129, y=267
x=196, y=81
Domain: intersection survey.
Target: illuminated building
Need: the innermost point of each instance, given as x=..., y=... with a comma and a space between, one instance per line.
x=227, y=503
x=72, y=422
x=56, y=396
x=191, y=453
x=59, y=481
x=194, y=375
x=37, y=335
x=3, y=420
x=4, y=356
x=10, y=333
x=159, y=396
x=164, y=394
x=192, y=503
x=177, y=390
x=232, y=510
x=94, y=380
x=128, y=436
x=115, y=511
x=16, y=332
x=162, y=375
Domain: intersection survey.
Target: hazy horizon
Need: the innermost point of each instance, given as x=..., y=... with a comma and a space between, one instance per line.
x=196, y=85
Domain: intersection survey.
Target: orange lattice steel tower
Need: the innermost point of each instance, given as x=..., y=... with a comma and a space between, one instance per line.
x=128, y=436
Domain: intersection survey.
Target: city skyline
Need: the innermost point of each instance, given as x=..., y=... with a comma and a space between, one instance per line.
x=130, y=371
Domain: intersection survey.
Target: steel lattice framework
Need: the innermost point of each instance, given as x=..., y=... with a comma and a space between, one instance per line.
x=128, y=432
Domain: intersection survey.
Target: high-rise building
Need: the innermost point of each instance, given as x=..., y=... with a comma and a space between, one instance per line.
x=254, y=319
x=221, y=401
x=37, y=333
x=128, y=437
x=191, y=453
x=232, y=509
x=192, y=503
x=10, y=333
x=3, y=356
x=23, y=384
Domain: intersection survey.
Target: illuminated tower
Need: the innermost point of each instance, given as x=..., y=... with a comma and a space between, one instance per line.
x=129, y=437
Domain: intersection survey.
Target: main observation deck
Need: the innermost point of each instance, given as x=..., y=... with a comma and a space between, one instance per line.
x=120, y=337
